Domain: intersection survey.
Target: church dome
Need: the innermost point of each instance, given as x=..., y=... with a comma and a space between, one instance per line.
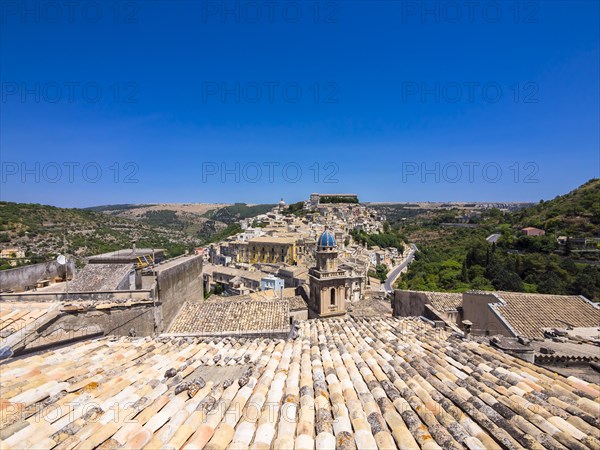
x=327, y=239
x=281, y=202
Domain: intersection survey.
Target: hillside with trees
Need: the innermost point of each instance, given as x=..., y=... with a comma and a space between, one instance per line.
x=238, y=211
x=458, y=258
x=43, y=232
x=574, y=214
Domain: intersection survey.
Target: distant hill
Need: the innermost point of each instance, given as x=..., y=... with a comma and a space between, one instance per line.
x=41, y=230
x=457, y=258
x=238, y=211
x=204, y=221
x=575, y=214
x=114, y=209
x=44, y=231
x=186, y=217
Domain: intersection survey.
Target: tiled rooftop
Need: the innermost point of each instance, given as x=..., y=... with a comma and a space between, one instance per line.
x=270, y=294
x=343, y=383
x=445, y=301
x=528, y=314
x=232, y=271
x=18, y=318
x=297, y=303
x=231, y=317
x=370, y=307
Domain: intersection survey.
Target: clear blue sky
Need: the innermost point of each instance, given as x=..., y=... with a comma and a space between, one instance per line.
x=395, y=100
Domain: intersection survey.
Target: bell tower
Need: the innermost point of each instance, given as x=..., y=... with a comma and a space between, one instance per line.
x=327, y=282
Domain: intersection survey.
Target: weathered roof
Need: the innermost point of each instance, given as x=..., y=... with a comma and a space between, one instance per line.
x=233, y=272
x=369, y=307
x=125, y=255
x=270, y=294
x=17, y=320
x=445, y=301
x=100, y=277
x=231, y=316
x=343, y=383
x=528, y=314
x=297, y=303
x=23, y=323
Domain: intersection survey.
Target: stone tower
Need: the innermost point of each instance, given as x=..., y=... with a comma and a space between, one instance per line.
x=327, y=282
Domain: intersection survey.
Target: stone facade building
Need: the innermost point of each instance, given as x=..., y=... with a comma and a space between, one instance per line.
x=268, y=249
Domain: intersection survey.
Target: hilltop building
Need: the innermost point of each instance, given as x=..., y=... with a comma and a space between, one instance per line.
x=316, y=199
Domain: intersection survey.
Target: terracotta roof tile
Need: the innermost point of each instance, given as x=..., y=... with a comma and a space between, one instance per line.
x=445, y=301
x=344, y=383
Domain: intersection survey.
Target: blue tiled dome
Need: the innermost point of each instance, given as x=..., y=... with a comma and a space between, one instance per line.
x=327, y=239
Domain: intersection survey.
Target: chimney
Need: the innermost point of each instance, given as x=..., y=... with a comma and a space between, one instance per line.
x=467, y=325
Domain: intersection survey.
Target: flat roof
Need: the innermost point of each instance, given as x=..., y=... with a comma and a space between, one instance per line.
x=273, y=240
x=127, y=253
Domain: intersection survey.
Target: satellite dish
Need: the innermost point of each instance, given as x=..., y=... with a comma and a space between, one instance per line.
x=61, y=259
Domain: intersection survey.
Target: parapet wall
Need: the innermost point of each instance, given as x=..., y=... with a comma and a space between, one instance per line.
x=23, y=278
x=177, y=284
x=65, y=327
x=409, y=304
x=476, y=308
x=140, y=294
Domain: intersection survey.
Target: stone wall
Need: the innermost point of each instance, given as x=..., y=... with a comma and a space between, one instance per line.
x=485, y=321
x=409, y=303
x=142, y=294
x=177, y=284
x=22, y=278
x=301, y=314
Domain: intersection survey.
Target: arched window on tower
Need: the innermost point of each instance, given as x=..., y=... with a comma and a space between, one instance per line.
x=332, y=298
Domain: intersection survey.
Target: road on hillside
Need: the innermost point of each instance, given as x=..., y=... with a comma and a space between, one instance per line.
x=395, y=272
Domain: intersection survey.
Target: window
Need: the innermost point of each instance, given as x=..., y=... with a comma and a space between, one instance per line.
x=332, y=299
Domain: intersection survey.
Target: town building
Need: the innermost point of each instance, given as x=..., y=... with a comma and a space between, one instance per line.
x=271, y=282
x=269, y=249
x=233, y=281
x=446, y=306
x=316, y=199
x=532, y=231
